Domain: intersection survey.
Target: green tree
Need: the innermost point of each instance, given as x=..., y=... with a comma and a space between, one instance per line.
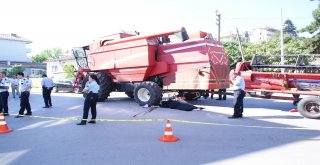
x=314, y=28
x=70, y=70
x=289, y=28
x=13, y=70
x=47, y=54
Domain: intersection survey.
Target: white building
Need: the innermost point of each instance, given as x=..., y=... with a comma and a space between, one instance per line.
x=13, y=51
x=14, y=48
x=55, y=66
x=262, y=34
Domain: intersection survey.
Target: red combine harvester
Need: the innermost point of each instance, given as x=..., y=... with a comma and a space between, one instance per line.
x=145, y=66
x=299, y=76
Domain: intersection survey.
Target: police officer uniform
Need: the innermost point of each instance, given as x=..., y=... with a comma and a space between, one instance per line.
x=24, y=88
x=239, y=93
x=4, y=94
x=47, y=85
x=90, y=102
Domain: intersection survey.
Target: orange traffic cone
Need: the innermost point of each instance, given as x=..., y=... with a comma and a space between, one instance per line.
x=3, y=125
x=168, y=134
x=293, y=110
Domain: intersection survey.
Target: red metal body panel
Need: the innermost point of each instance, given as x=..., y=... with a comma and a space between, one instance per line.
x=194, y=64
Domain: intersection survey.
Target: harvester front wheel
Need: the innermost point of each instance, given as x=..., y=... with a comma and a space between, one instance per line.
x=105, y=86
x=309, y=107
x=147, y=93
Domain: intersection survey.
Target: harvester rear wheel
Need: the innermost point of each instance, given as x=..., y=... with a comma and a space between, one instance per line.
x=309, y=107
x=147, y=93
x=105, y=86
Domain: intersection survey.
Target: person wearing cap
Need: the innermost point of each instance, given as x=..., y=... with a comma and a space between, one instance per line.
x=4, y=94
x=238, y=87
x=47, y=86
x=25, y=87
x=91, y=88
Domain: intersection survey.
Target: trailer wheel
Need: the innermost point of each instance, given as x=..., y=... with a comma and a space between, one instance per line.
x=130, y=94
x=105, y=86
x=309, y=107
x=147, y=93
x=267, y=94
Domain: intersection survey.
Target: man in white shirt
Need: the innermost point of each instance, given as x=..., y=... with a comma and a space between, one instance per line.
x=15, y=86
x=47, y=86
x=239, y=93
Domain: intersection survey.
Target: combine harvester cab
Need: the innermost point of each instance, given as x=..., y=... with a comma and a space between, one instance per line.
x=300, y=75
x=145, y=66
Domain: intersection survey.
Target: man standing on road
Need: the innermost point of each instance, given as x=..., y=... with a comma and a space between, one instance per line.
x=47, y=86
x=4, y=94
x=15, y=86
x=239, y=93
x=24, y=85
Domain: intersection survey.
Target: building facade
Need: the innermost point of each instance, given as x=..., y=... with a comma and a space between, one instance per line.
x=13, y=51
x=55, y=66
x=262, y=34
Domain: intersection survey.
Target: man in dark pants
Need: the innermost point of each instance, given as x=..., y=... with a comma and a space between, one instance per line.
x=47, y=85
x=222, y=92
x=239, y=93
x=4, y=94
x=25, y=88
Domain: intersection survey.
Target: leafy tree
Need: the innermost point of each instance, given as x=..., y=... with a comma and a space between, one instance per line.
x=293, y=45
x=13, y=70
x=314, y=27
x=289, y=28
x=47, y=54
x=70, y=70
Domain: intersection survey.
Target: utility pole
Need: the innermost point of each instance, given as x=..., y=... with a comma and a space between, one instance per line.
x=218, y=23
x=240, y=45
x=281, y=41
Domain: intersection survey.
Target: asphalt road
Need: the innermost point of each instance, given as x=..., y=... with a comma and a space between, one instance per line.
x=268, y=134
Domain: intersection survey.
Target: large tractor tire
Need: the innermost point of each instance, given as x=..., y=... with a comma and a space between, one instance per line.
x=309, y=107
x=147, y=93
x=83, y=85
x=105, y=86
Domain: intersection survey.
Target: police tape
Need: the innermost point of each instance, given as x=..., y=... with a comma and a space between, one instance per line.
x=101, y=120
x=237, y=125
x=173, y=120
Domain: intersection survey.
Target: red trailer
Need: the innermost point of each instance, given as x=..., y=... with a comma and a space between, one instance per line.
x=300, y=75
x=144, y=66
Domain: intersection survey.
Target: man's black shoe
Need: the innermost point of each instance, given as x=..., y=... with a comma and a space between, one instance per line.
x=19, y=116
x=50, y=105
x=218, y=99
x=5, y=114
x=82, y=123
x=224, y=99
x=28, y=114
x=92, y=122
x=45, y=107
x=234, y=117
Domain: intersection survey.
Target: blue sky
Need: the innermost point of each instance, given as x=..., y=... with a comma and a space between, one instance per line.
x=65, y=24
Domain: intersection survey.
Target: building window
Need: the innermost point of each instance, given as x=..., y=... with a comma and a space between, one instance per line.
x=54, y=69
